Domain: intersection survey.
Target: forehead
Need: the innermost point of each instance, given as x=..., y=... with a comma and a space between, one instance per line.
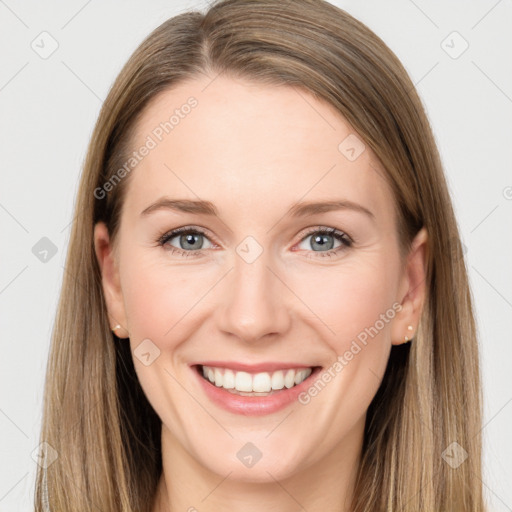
x=226, y=139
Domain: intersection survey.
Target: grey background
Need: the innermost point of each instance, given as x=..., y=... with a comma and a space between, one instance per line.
x=48, y=108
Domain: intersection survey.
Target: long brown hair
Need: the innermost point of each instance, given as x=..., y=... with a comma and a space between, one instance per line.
x=96, y=416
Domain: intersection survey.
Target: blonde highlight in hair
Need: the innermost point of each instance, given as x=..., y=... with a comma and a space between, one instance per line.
x=96, y=416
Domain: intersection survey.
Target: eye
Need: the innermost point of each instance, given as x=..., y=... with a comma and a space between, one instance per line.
x=189, y=241
x=324, y=238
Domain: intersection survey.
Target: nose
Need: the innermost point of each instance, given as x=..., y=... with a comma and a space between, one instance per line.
x=255, y=301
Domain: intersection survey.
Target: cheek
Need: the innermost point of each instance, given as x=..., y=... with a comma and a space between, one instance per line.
x=357, y=306
x=350, y=302
x=158, y=297
x=159, y=302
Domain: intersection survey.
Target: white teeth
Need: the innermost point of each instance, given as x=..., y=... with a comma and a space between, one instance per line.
x=262, y=382
x=300, y=376
x=218, y=377
x=278, y=380
x=289, y=378
x=229, y=379
x=243, y=381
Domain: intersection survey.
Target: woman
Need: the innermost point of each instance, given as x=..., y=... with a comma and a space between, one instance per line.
x=208, y=354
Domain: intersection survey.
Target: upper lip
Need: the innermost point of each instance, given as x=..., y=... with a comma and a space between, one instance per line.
x=254, y=368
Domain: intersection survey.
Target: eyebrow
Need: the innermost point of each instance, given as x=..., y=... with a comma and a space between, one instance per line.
x=200, y=207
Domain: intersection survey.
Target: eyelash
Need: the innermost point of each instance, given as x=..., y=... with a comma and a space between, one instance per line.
x=345, y=239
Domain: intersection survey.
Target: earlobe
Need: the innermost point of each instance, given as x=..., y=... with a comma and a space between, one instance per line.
x=413, y=290
x=110, y=280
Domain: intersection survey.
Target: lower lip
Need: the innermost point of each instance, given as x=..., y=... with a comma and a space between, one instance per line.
x=254, y=405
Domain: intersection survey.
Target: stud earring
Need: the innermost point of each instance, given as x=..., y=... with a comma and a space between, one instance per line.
x=116, y=327
x=409, y=328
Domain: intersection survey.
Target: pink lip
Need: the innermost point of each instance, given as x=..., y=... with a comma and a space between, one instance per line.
x=253, y=405
x=253, y=368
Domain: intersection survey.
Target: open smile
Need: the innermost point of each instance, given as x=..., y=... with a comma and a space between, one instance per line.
x=254, y=393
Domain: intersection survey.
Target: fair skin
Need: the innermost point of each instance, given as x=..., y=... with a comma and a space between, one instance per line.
x=253, y=151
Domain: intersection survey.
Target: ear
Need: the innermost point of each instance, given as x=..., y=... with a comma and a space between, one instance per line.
x=110, y=280
x=412, y=290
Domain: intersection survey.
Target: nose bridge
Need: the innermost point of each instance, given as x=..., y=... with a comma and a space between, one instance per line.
x=254, y=297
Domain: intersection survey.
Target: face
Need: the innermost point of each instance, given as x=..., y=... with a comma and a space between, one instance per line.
x=257, y=284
